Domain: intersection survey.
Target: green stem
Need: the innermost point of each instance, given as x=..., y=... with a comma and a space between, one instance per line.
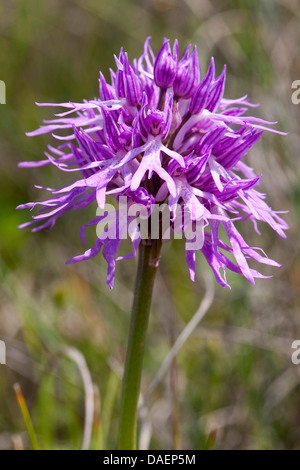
x=149, y=253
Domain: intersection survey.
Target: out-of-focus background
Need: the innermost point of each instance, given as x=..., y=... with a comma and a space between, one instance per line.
x=233, y=384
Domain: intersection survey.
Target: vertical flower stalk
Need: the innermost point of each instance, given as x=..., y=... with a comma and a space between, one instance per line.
x=149, y=253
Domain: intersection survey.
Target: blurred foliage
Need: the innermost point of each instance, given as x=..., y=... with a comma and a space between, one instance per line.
x=237, y=385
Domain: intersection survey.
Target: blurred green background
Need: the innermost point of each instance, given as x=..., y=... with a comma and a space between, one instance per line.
x=233, y=385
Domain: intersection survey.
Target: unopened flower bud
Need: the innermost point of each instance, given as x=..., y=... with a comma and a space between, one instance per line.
x=165, y=67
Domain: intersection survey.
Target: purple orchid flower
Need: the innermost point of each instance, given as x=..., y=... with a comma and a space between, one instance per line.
x=159, y=134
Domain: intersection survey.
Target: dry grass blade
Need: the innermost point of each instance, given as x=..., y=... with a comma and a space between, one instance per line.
x=17, y=442
x=80, y=361
x=26, y=416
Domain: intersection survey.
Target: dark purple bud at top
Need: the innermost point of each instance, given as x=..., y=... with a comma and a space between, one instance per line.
x=188, y=74
x=201, y=95
x=133, y=85
x=165, y=66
